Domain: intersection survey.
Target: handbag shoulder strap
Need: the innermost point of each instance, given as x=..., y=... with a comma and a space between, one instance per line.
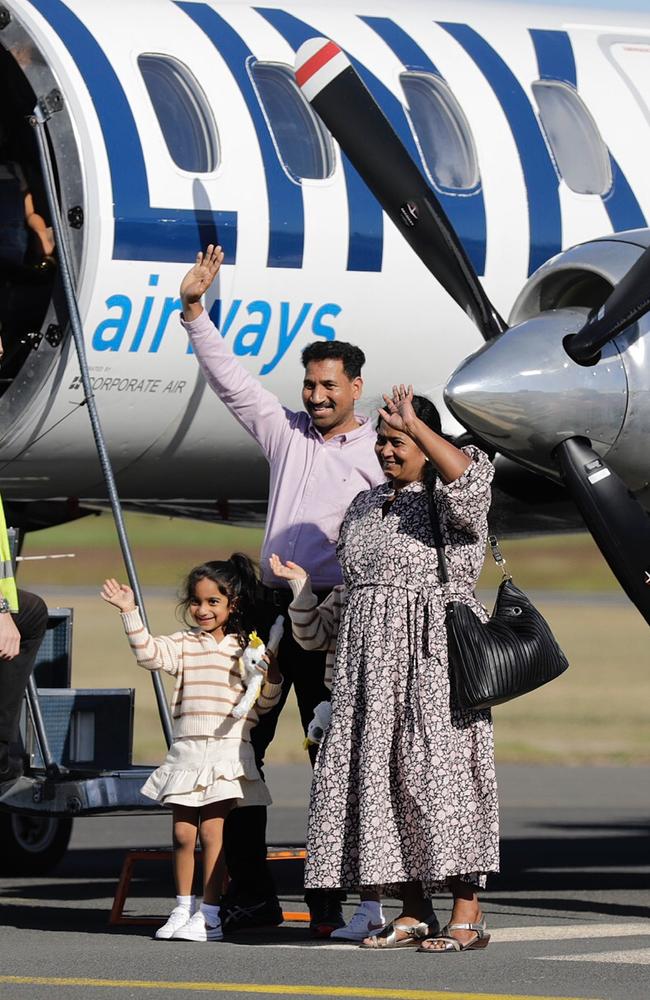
x=440, y=547
x=437, y=538
x=498, y=557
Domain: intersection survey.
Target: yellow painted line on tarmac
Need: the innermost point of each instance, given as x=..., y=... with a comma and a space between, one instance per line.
x=275, y=988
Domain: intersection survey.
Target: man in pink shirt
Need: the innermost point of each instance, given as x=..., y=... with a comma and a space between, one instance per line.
x=319, y=460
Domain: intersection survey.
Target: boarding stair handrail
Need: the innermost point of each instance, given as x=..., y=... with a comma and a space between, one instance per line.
x=42, y=113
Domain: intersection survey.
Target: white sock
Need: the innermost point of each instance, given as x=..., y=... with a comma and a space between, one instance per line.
x=187, y=902
x=373, y=909
x=211, y=913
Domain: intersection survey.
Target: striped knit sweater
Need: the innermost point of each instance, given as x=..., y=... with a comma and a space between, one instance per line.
x=316, y=626
x=208, y=683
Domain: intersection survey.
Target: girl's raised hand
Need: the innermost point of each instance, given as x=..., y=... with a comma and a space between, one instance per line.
x=399, y=413
x=118, y=594
x=286, y=571
x=199, y=278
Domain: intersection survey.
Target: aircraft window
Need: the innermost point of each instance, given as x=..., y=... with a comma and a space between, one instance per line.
x=303, y=143
x=183, y=113
x=441, y=132
x=581, y=156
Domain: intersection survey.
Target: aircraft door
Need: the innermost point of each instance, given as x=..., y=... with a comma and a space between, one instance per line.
x=30, y=325
x=630, y=56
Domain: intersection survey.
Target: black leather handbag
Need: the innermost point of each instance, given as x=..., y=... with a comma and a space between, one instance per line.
x=512, y=653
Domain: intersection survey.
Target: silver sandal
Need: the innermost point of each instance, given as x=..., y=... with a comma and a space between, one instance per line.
x=415, y=933
x=451, y=944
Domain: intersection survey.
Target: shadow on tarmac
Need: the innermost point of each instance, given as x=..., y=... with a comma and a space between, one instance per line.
x=576, y=858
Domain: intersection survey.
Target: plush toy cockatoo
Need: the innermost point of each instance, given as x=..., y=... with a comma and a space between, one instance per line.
x=250, y=668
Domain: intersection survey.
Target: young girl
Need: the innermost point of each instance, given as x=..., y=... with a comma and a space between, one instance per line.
x=210, y=767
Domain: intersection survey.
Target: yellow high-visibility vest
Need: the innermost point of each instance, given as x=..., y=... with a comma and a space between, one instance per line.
x=7, y=581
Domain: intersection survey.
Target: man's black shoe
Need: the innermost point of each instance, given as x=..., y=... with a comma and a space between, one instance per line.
x=244, y=914
x=325, y=913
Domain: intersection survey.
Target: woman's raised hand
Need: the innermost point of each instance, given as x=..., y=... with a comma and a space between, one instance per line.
x=288, y=570
x=118, y=594
x=201, y=275
x=398, y=412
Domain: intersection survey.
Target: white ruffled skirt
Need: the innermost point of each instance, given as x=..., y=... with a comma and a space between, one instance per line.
x=203, y=769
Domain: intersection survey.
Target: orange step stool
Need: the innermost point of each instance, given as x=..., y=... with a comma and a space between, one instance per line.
x=165, y=854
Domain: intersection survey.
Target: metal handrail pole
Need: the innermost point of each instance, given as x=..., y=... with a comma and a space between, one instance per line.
x=52, y=768
x=38, y=120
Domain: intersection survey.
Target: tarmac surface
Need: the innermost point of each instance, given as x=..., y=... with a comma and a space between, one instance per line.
x=569, y=914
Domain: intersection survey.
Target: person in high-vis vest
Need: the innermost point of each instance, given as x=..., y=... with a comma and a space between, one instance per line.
x=23, y=620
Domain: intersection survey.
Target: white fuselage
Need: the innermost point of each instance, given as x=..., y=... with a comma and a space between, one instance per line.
x=304, y=260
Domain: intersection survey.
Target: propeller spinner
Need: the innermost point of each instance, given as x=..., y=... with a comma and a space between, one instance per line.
x=551, y=393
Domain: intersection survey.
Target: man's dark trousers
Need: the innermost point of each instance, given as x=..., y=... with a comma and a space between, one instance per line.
x=31, y=621
x=245, y=829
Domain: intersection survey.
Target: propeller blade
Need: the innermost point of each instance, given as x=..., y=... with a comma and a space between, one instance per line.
x=341, y=99
x=627, y=303
x=618, y=522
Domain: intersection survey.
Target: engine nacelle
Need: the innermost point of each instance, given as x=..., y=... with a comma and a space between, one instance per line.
x=523, y=393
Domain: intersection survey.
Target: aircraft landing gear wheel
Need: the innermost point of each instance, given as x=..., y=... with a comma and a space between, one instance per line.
x=32, y=845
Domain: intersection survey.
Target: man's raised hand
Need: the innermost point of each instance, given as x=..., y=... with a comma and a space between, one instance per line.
x=200, y=276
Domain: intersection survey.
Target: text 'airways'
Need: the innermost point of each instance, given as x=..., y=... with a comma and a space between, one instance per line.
x=250, y=326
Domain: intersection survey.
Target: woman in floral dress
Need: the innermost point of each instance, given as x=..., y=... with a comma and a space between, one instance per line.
x=404, y=796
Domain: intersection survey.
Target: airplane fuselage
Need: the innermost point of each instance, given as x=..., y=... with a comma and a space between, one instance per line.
x=305, y=257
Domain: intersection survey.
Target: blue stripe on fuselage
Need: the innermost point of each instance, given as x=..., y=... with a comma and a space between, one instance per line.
x=554, y=53
x=544, y=216
x=365, y=218
x=286, y=210
x=142, y=232
x=556, y=61
x=466, y=210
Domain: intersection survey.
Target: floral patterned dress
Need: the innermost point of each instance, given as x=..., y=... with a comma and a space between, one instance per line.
x=404, y=785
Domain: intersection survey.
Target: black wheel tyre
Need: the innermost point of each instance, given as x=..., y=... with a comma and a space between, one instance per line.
x=32, y=845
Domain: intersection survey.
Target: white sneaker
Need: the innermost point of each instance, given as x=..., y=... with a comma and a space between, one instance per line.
x=359, y=926
x=179, y=916
x=196, y=929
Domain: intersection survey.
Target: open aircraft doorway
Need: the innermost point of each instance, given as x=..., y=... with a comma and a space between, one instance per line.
x=32, y=312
